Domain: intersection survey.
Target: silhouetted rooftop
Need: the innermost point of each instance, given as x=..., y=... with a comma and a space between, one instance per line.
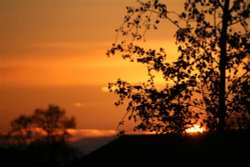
x=145, y=150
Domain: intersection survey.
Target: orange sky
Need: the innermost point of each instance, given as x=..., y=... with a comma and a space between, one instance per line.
x=53, y=52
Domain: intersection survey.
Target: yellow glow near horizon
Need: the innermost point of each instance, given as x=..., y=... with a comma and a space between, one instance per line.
x=195, y=129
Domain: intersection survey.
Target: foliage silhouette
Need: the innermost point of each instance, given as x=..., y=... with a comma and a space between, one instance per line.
x=47, y=125
x=208, y=83
x=39, y=140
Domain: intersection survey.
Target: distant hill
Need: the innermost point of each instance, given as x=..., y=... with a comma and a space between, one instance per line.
x=229, y=149
x=88, y=144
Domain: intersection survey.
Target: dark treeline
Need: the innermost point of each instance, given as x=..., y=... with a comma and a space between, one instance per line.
x=38, y=154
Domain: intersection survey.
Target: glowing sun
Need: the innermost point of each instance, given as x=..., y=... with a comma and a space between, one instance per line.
x=195, y=129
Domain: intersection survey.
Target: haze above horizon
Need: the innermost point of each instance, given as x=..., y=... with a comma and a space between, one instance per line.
x=53, y=52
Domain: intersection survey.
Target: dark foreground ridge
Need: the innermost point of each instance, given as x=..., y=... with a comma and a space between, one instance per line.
x=228, y=149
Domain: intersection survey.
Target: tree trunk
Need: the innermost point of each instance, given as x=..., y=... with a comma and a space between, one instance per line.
x=222, y=68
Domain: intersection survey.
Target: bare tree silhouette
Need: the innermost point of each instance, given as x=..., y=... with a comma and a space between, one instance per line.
x=209, y=81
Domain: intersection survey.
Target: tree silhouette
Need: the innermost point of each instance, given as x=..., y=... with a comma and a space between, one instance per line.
x=21, y=129
x=49, y=125
x=40, y=139
x=208, y=83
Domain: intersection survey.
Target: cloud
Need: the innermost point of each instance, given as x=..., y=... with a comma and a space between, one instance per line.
x=105, y=89
x=78, y=105
x=90, y=133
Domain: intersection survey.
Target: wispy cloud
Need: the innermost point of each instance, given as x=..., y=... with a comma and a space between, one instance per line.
x=90, y=133
x=105, y=89
x=78, y=105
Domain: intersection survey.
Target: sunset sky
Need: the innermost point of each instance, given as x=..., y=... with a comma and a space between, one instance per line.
x=53, y=52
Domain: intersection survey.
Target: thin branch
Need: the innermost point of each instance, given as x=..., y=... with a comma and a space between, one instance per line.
x=174, y=22
x=220, y=5
x=218, y=24
x=173, y=13
x=202, y=108
x=122, y=119
x=235, y=82
x=236, y=21
x=215, y=23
